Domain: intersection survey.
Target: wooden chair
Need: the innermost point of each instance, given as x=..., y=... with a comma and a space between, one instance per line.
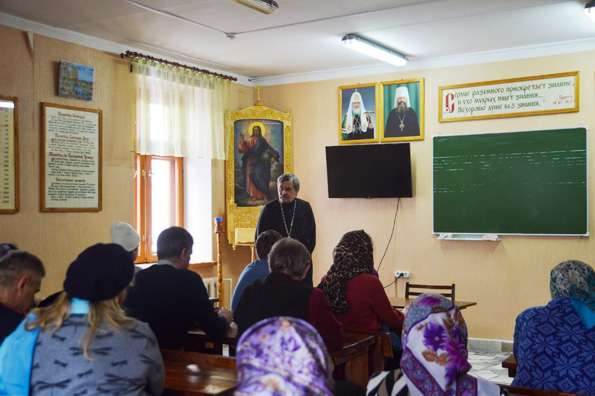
x=510, y=364
x=354, y=356
x=448, y=290
x=381, y=350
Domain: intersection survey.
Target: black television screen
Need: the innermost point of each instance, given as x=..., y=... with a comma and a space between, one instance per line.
x=369, y=171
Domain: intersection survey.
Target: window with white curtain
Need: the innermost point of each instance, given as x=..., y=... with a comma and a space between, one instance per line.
x=179, y=121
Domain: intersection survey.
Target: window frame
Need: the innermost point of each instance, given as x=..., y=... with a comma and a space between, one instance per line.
x=142, y=200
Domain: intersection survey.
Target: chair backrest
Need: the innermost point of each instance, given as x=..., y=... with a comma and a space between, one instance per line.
x=447, y=290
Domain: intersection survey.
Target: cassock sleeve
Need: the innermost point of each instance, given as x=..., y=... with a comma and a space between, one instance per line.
x=310, y=229
x=264, y=221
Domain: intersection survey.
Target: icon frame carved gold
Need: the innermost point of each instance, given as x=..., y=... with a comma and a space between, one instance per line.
x=246, y=217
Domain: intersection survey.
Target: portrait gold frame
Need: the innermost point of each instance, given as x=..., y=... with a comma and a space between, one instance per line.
x=247, y=217
x=377, y=98
x=15, y=154
x=421, y=115
x=575, y=109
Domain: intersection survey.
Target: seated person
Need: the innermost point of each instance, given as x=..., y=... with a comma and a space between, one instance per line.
x=355, y=293
x=434, y=360
x=258, y=269
x=267, y=367
x=554, y=345
x=20, y=279
x=84, y=344
x=123, y=234
x=171, y=298
x=283, y=293
x=126, y=236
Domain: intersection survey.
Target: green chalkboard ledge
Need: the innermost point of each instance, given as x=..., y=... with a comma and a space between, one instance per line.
x=469, y=237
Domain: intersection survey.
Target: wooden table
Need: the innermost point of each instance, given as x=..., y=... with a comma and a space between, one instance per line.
x=401, y=302
x=510, y=364
x=217, y=375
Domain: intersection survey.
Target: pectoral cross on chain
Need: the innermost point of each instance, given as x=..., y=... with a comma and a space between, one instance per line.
x=402, y=125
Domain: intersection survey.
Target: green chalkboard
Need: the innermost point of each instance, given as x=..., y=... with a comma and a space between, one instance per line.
x=531, y=182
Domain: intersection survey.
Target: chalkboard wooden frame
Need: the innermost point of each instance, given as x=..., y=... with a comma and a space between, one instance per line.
x=42, y=149
x=463, y=233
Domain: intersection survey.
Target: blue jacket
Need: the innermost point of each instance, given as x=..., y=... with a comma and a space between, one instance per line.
x=254, y=271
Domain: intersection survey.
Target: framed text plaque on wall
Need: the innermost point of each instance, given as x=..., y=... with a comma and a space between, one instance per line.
x=70, y=159
x=9, y=155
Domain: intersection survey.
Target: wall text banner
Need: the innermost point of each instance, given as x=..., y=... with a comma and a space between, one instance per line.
x=8, y=156
x=518, y=97
x=71, y=163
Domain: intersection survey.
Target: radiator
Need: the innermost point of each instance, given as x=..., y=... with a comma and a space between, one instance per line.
x=211, y=285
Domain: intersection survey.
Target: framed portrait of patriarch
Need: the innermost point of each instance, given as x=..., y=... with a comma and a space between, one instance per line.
x=357, y=113
x=402, y=110
x=259, y=151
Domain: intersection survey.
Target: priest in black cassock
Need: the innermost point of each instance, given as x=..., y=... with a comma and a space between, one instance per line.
x=402, y=120
x=290, y=216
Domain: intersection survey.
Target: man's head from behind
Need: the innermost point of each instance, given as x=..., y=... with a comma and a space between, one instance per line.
x=265, y=242
x=290, y=257
x=175, y=245
x=20, y=279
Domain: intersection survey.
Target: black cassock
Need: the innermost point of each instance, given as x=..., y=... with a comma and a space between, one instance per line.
x=304, y=225
x=410, y=123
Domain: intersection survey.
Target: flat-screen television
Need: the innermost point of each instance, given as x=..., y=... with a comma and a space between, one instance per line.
x=369, y=171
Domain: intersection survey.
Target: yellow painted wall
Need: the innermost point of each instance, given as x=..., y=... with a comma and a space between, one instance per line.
x=505, y=277
x=32, y=77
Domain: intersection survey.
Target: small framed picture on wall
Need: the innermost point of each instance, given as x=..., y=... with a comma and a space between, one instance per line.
x=402, y=110
x=357, y=113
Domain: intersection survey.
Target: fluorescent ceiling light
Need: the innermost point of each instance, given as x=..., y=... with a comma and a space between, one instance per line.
x=264, y=6
x=375, y=50
x=5, y=104
x=590, y=9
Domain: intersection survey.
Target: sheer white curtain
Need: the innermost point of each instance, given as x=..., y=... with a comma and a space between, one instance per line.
x=179, y=112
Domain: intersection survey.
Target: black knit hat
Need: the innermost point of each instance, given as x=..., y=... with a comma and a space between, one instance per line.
x=99, y=273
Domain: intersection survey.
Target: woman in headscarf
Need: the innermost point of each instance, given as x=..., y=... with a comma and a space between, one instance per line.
x=283, y=356
x=354, y=291
x=434, y=360
x=84, y=343
x=554, y=345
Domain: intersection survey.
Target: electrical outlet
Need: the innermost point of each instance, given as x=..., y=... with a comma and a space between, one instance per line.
x=402, y=274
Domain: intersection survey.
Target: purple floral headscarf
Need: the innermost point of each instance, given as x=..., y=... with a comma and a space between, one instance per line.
x=283, y=356
x=435, y=353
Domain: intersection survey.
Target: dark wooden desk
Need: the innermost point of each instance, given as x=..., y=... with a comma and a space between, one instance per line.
x=354, y=355
x=400, y=303
x=510, y=364
x=198, y=341
x=217, y=375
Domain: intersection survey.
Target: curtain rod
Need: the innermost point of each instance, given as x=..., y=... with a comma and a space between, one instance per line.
x=137, y=55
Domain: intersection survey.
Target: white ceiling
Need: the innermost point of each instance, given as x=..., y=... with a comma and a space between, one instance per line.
x=303, y=35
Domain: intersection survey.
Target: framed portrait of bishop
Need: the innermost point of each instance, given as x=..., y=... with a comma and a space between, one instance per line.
x=402, y=110
x=357, y=113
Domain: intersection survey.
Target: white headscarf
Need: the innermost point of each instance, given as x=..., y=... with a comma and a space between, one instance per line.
x=356, y=97
x=402, y=92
